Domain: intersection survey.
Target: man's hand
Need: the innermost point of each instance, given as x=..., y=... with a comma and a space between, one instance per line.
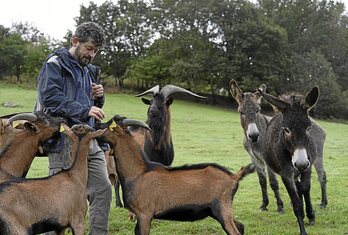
x=96, y=112
x=97, y=90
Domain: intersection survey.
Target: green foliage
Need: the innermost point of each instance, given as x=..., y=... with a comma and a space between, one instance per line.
x=202, y=44
x=204, y=133
x=312, y=69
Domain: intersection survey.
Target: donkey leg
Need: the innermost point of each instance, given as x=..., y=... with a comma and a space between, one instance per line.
x=261, y=173
x=319, y=167
x=306, y=188
x=275, y=187
x=297, y=204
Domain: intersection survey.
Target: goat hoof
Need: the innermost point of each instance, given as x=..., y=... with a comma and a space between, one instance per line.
x=280, y=210
x=323, y=205
x=263, y=208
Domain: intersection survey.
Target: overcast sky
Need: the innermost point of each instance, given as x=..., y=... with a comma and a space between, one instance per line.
x=51, y=17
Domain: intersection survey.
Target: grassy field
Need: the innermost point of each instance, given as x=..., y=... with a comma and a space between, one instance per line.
x=203, y=133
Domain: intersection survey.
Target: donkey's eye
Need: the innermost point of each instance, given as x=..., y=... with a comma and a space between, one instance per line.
x=308, y=129
x=287, y=131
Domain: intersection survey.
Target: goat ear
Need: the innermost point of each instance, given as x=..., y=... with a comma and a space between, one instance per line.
x=311, y=98
x=30, y=127
x=146, y=101
x=169, y=101
x=235, y=91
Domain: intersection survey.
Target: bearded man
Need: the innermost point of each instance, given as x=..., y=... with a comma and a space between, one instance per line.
x=68, y=88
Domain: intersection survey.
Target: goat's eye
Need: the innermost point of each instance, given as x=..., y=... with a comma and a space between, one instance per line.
x=241, y=113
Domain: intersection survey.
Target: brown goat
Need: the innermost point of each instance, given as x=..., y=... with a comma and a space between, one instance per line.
x=152, y=190
x=21, y=145
x=33, y=206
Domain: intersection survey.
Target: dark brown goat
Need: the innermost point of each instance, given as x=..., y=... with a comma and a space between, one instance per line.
x=158, y=144
x=290, y=150
x=34, y=206
x=188, y=193
x=21, y=145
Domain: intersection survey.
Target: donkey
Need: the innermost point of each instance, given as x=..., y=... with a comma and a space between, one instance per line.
x=254, y=125
x=290, y=150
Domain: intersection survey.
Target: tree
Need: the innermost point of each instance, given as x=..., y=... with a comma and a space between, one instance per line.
x=313, y=69
x=13, y=51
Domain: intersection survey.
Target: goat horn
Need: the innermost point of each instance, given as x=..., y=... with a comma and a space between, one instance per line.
x=22, y=116
x=171, y=89
x=132, y=122
x=152, y=90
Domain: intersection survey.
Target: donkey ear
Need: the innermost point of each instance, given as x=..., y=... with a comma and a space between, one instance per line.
x=311, y=98
x=258, y=95
x=235, y=91
x=278, y=103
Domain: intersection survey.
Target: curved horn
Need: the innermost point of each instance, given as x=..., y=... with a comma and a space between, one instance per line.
x=152, y=90
x=132, y=122
x=23, y=116
x=168, y=90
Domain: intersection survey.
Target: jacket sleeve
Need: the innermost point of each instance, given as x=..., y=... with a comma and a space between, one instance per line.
x=50, y=86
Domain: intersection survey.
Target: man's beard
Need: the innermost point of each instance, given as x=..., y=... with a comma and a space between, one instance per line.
x=82, y=60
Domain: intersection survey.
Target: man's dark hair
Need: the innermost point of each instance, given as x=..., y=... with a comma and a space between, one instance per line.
x=90, y=30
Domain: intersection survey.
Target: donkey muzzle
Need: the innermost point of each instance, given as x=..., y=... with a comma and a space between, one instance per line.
x=300, y=160
x=253, y=132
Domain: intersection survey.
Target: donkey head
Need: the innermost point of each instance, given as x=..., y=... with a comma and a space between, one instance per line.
x=249, y=109
x=295, y=125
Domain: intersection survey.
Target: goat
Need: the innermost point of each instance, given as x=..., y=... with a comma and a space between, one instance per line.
x=33, y=206
x=290, y=150
x=157, y=144
x=254, y=125
x=187, y=193
x=21, y=145
x=111, y=168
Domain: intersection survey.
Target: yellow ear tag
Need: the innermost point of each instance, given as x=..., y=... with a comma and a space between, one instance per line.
x=113, y=124
x=61, y=129
x=15, y=123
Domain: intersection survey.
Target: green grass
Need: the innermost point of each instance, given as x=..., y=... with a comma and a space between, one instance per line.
x=203, y=133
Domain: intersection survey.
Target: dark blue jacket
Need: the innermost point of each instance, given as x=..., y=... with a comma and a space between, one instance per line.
x=64, y=89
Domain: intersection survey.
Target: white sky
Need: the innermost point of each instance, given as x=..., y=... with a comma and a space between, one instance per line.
x=51, y=17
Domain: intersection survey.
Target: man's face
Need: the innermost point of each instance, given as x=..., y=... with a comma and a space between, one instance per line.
x=85, y=52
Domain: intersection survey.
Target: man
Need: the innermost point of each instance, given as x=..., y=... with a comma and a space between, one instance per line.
x=67, y=87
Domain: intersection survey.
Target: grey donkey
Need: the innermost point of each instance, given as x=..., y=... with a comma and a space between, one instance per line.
x=254, y=125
